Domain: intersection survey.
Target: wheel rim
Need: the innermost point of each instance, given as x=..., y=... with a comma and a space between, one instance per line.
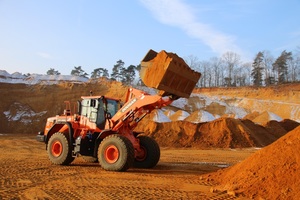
x=111, y=154
x=141, y=154
x=56, y=148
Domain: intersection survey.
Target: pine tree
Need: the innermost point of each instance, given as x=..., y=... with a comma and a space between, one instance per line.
x=99, y=72
x=280, y=65
x=116, y=71
x=77, y=71
x=52, y=71
x=257, y=68
x=128, y=74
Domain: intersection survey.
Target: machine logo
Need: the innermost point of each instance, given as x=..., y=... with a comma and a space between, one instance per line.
x=128, y=105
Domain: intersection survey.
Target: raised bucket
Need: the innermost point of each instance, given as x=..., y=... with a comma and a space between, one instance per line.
x=169, y=73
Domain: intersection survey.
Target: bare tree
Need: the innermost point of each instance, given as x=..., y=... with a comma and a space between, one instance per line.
x=295, y=65
x=206, y=76
x=231, y=60
x=216, y=65
x=246, y=70
x=269, y=75
x=194, y=63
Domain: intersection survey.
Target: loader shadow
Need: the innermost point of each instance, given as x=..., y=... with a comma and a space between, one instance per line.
x=181, y=168
x=167, y=167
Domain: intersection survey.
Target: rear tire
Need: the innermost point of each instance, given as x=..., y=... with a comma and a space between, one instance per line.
x=59, y=149
x=151, y=153
x=116, y=153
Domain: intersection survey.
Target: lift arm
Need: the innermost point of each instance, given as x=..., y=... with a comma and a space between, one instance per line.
x=138, y=105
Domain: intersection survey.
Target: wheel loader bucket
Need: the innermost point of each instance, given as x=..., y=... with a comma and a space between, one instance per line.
x=169, y=73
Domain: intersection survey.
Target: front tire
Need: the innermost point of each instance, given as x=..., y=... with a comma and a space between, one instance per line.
x=116, y=153
x=151, y=154
x=59, y=149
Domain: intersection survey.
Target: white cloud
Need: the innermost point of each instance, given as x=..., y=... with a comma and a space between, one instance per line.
x=179, y=14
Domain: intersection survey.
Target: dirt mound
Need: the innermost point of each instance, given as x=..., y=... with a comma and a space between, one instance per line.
x=266, y=116
x=271, y=173
x=179, y=115
x=289, y=125
x=200, y=116
x=216, y=109
x=225, y=133
x=275, y=128
x=220, y=133
x=252, y=115
x=259, y=134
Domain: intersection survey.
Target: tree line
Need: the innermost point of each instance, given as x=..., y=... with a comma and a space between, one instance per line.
x=229, y=71
x=119, y=73
x=225, y=71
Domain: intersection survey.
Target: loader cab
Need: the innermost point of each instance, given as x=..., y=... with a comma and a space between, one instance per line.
x=98, y=109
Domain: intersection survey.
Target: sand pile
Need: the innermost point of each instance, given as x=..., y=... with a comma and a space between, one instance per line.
x=219, y=133
x=225, y=133
x=271, y=173
x=261, y=135
x=266, y=116
x=200, y=116
x=251, y=115
x=179, y=115
x=275, y=128
x=289, y=125
x=216, y=109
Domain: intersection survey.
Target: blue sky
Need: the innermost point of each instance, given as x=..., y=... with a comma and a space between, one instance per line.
x=37, y=35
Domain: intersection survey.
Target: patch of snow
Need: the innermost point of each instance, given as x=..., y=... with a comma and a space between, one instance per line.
x=273, y=116
x=168, y=113
x=295, y=112
x=160, y=117
x=239, y=113
x=206, y=116
x=32, y=79
x=21, y=113
x=200, y=116
x=180, y=103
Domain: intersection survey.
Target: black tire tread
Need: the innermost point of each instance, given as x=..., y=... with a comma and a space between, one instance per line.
x=153, y=153
x=66, y=158
x=127, y=157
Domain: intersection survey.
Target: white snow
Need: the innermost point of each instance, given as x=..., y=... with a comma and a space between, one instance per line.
x=22, y=113
x=32, y=79
x=160, y=117
x=168, y=112
x=206, y=116
x=179, y=103
x=273, y=116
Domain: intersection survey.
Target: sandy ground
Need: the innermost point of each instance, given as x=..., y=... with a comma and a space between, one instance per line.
x=26, y=173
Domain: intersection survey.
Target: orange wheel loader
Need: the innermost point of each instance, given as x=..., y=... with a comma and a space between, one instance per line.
x=101, y=130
